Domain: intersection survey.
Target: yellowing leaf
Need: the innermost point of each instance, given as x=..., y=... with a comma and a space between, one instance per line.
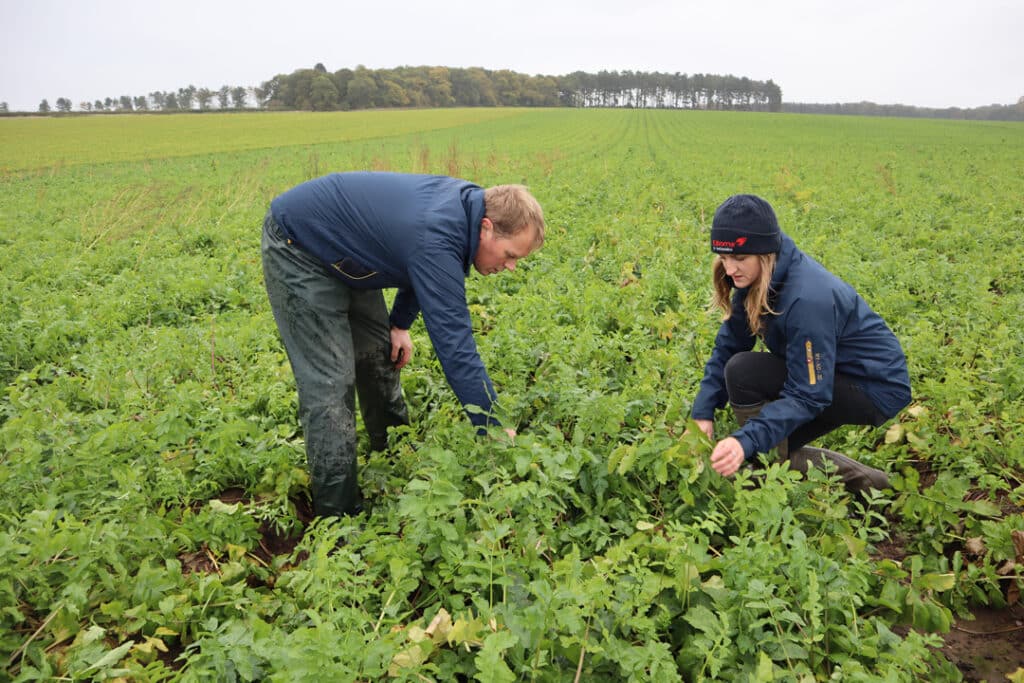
x=220, y=506
x=466, y=632
x=407, y=659
x=894, y=434
x=937, y=582
x=149, y=645
x=236, y=552
x=440, y=626
x=916, y=440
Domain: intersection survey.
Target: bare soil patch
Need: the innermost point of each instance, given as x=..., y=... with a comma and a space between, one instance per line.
x=990, y=647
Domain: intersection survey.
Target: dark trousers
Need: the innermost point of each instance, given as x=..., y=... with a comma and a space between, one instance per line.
x=338, y=342
x=752, y=378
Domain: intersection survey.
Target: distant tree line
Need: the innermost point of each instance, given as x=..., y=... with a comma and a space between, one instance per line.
x=992, y=112
x=317, y=89
x=189, y=98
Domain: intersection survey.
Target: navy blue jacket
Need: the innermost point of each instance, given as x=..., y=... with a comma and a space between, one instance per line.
x=823, y=327
x=416, y=233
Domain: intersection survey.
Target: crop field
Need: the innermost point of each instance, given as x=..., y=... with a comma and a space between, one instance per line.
x=154, y=513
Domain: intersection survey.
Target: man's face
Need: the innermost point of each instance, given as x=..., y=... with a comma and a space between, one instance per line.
x=496, y=254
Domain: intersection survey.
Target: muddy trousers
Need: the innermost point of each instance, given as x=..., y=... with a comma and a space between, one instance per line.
x=338, y=342
x=754, y=379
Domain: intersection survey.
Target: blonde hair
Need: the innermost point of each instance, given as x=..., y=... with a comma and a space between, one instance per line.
x=512, y=209
x=756, y=302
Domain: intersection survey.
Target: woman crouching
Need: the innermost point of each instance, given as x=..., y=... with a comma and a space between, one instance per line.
x=830, y=359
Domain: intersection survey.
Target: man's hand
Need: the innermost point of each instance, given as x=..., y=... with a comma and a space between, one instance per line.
x=401, y=347
x=511, y=433
x=727, y=456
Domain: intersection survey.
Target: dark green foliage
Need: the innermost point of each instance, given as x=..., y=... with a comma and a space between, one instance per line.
x=143, y=382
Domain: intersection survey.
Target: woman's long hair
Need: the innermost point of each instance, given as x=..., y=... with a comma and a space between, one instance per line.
x=756, y=303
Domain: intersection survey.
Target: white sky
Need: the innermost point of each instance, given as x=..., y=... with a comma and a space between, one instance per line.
x=937, y=53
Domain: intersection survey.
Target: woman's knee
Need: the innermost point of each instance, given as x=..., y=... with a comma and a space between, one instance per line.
x=752, y=377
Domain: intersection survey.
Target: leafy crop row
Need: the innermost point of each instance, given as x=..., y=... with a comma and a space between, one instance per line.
x=150, y=457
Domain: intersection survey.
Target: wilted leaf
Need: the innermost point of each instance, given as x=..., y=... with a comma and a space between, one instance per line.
x=417, y=634
x=975, y=545
x=440, y=626
x=895, y=433
x=408, y=658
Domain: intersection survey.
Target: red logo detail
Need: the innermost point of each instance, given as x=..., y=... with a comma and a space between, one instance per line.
x=741, y=241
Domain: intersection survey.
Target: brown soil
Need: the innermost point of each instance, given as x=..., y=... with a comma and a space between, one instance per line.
x=272, y=542
x=989, y=648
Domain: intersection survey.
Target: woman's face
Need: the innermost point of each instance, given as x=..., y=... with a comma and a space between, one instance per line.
x=744, y=269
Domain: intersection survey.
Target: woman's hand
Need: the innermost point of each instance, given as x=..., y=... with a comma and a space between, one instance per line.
x=727, y=457
x=401, y=347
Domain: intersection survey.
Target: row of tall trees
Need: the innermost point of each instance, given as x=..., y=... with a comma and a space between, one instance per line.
x=672, y=90
x=183, y=99
x=317, y=89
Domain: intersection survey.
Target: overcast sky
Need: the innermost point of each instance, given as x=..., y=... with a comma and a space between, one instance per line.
x=932, y=53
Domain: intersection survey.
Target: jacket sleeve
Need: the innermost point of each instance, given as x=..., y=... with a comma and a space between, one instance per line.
x=810, y=334
x=405, y=309
x=440, y=287
x=733, y=337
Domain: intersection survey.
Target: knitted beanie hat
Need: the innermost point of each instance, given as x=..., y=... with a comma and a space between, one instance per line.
x=745, y=224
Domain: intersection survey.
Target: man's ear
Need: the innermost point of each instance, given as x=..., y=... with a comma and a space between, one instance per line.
x=486, y=225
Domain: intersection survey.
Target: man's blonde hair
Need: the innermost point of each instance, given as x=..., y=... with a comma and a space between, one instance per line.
x=512, y=209
x=756, y=303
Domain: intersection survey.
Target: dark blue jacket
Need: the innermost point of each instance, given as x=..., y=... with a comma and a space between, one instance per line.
x=823, y=327
x=416, y=233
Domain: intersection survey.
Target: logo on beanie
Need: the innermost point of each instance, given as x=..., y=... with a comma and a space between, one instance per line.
x=728, y=245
